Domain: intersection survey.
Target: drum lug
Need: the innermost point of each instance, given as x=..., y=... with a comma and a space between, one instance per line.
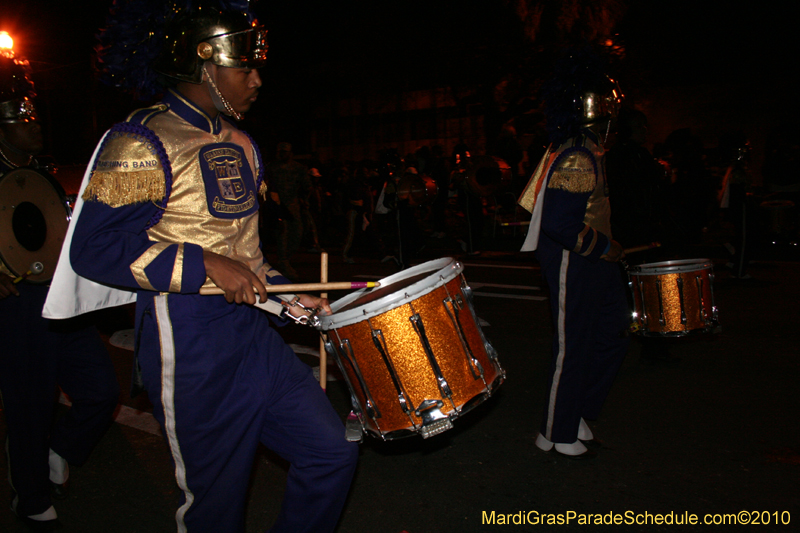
x=644, y=309
x=490, y=351
x=714, y=310
x=699, y=282
x=453, y=310
x=380, y=345
x=419, y=328
x=679, y=281
x=661, y=319
x=345, y=352
x=434, y=421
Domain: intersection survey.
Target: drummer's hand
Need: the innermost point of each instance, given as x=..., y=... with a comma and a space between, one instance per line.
x=7, y=287
x=615, y=253
x=235, y=278
x=310, y=302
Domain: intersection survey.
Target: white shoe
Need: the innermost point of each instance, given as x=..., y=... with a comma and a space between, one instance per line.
x=59, y=468
x=584, y=433
x=573, y=450
x=543, y=444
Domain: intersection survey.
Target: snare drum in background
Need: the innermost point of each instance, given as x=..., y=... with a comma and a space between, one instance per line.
x=673, y=298
x=412, y=351
x=34, y=216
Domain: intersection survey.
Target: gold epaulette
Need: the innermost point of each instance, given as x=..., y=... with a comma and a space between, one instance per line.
x=128, y=171
x=123, y=188
x=531, y=191
x=575, y=173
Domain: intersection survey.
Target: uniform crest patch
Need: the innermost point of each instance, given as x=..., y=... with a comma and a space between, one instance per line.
x=230, y=187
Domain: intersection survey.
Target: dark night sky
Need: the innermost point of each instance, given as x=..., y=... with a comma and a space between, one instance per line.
x=680, y=43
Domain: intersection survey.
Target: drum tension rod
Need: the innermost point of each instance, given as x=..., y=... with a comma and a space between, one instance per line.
x=453, y=310
x=699, y=282
x=371, y=408
x=380, y=344
x=661, y=319
x=679, y=281
x=419, y=328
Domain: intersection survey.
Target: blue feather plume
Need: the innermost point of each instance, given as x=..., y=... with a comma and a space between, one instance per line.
x=132, y=40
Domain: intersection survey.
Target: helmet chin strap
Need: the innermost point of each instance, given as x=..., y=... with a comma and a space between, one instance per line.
x=220, y=102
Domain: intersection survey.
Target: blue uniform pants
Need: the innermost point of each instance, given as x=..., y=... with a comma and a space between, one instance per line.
x=222, y=380
x=38, y=355
x=590, y=318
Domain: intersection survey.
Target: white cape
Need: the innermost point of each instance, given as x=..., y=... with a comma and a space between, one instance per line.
x=535, y=227
x=70, y=294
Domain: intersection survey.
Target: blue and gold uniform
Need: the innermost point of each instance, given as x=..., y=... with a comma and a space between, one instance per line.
x=167, y=184
x=586, y=293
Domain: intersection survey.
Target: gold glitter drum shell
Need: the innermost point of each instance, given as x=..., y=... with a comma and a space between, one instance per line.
x=673, y=298
x=412, y=351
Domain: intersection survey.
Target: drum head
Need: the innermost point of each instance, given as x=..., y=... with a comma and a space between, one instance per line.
x=33, y=222
x=395, y=290
x=672, y=267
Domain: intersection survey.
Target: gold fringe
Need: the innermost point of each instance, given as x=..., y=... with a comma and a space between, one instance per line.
x=574, y=174
x=124, y=188
x=572, y=180
x=262, y=191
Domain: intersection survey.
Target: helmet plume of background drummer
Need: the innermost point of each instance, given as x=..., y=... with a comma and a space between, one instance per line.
x=21, y=136
x=581, y=95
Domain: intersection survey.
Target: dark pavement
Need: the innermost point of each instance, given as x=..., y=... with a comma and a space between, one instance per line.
x=715, y=432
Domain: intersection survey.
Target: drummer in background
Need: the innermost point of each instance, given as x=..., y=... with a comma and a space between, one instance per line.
x=571, y=233
x=39, y=354
x=221, y=379
x=637, y=188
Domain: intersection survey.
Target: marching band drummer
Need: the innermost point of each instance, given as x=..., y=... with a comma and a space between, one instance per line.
x=570, y=231
x=40, y=354
x=171, y=207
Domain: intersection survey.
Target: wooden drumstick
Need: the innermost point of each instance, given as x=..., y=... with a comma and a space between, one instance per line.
x=642, y=248
x=304, y=287
x=323, y=356
x=36, y=268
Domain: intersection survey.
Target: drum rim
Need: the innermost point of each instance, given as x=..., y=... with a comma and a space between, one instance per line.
x=448, y=266
x=678, y=265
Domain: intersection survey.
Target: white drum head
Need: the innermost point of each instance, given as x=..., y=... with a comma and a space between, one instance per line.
x=672, y=267
x=395, y=290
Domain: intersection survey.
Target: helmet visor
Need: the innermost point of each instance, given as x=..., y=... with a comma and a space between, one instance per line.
x=243, y=49
x=18, y=110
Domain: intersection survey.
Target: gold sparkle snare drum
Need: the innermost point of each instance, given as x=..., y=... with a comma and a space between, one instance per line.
x=412, y=351
x=673, y=298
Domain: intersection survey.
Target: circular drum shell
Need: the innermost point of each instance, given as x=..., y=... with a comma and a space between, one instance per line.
x=673, y=298
x=422, y=290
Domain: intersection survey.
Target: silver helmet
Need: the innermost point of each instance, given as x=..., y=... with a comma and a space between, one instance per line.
x=227, y=39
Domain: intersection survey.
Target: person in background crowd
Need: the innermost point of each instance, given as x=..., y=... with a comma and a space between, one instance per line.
x=289, y=185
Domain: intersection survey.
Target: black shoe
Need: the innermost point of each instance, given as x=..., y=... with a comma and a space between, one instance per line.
x=588, y=454
x=35, y=526
x=41, y=526
x=59, y=492
x=593, y=444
